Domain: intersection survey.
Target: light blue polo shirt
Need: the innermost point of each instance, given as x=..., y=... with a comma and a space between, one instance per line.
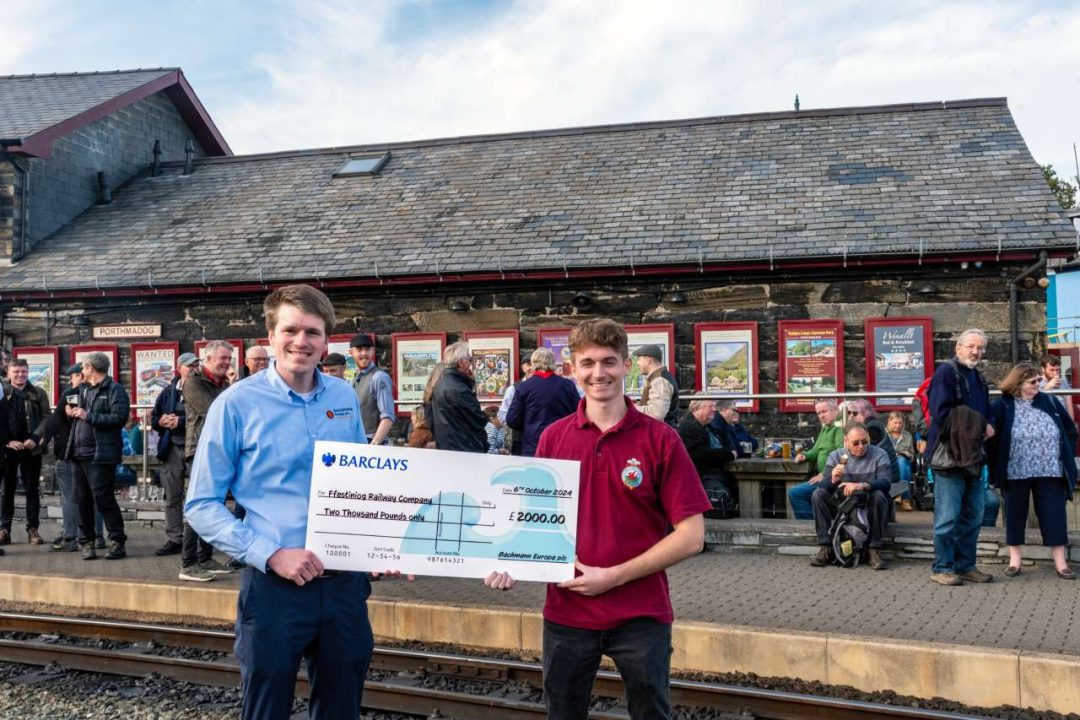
x=258, y=442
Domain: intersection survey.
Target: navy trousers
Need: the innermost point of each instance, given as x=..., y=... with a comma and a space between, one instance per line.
x=324, y=622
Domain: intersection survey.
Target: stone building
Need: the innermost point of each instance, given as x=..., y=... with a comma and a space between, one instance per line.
x=929, y=209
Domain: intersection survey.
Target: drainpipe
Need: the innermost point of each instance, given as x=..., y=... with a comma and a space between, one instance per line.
x=1014, y=305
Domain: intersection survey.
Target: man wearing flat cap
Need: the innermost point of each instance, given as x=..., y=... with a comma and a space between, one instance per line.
x=334, y=365
x=169, y=419
x=660, y=396
x=374, y=390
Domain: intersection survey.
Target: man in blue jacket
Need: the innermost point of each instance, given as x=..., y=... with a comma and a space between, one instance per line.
x=168, y=418
x=958, y=491
x=541, y=400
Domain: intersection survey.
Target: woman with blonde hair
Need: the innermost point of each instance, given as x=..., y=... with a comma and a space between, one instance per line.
x=1031, y=455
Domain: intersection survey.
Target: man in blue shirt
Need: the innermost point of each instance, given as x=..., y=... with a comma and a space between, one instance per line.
x=258, y=442
x=374, y=390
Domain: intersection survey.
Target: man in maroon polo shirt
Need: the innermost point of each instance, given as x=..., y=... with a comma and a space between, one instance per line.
x=637, y=482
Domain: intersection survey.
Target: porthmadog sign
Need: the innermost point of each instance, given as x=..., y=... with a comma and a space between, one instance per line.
x=127, y=330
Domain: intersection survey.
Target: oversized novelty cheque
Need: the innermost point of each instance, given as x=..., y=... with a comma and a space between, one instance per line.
x=437, y=512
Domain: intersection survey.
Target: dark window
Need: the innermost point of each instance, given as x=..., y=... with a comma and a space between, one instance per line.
x=363, y=165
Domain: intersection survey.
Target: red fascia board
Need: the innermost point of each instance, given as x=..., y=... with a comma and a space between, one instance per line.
x=40, y=144
x=686, y=271
x=197, y=118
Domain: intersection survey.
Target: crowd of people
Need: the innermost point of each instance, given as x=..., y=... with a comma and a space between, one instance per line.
x=235, y=458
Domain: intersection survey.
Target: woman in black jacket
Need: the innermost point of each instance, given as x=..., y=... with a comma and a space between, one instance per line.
x=1031, y=454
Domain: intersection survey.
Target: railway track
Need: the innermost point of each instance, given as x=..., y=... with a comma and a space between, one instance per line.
x=398, y=676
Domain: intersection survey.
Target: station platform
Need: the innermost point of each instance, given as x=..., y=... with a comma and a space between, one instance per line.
x=1015, y=641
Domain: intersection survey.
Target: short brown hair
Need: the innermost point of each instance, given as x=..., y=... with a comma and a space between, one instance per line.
x=1021, y=373
x=602, y=333
x=303, y=297
x=1050, y=361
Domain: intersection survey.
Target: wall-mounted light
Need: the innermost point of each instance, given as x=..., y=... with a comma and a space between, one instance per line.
x=581, y=300
x=80, y=321
x=459, y=306
x=677, y=298
x=925, y=288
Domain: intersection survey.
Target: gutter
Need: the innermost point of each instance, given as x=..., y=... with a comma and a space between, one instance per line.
x=1014, y=307
x=685, y=271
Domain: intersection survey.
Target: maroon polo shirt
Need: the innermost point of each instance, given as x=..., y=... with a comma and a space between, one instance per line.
x=636, y=482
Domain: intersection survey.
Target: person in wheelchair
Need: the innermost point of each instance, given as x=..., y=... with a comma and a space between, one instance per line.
x=856, y=468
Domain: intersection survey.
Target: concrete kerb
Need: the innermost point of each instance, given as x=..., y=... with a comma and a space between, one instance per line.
x=1005, y=677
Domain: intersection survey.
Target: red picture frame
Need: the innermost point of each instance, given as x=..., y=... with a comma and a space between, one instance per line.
x=654, y=334
x=110, y=349
x=811, y=360
x=555, y=340
x=153, y=365
x=410, y=373
x=238, y=356
x=904, y=360
x=727, y=335
x=491, y=386
x=44, y=366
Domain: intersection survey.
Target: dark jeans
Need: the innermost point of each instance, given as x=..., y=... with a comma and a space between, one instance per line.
x=94, y=484
x=641, y=649
x=69, y=508
x=323, y=622
x=1049, y=494
x=193, y=548
x=877, y=514
x=173, y=472
x=959, y=504
x=29, y=465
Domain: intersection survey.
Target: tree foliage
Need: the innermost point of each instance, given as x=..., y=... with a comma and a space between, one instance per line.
x=1063, y=190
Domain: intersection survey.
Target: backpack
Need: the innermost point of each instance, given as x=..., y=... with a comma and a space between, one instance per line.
x=723, y=504
x=850, y=530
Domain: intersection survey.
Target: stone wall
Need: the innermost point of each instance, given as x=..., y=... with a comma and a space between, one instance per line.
x=12, y=179
x=121, y=144
x=966, y=298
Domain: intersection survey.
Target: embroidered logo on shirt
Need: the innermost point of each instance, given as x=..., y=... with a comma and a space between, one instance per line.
x=339, y=413
x=330, y=414
x=328, y=458
x=631, y=474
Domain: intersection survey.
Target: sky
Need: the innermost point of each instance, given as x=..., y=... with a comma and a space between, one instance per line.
x=291, y=74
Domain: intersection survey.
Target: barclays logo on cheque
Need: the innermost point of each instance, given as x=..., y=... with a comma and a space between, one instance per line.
x=365, y=462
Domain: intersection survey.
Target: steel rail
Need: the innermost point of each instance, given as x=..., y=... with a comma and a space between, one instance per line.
x=398, y=696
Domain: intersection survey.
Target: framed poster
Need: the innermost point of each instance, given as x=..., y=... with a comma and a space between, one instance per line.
x=265, y=343
x=415, y=355
x=899, y=356
x=152, y=368
x=640, y=335
x=237, y=356
x=811, y=361
x=495, y=361
x=43, y=364
x=557, y=340
x=727, y=360
x=79, y=352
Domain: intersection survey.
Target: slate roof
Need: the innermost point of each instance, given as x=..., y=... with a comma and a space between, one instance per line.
x=37, y=107
x=907, y=179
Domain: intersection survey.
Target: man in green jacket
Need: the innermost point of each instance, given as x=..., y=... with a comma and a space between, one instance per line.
x=830, y=438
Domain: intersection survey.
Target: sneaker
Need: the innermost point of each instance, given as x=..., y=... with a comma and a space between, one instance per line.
x=88, y=552
x=63, y=545
x=196, y=573
x=234, y=564
x=5, y=537
x=906, y=506
x=876, y=562
x=116, y=551
x=823, y=557
x=100, y=543
x=169, y=548
x=976, y=575
x=33, y=537
x=946, y=578
x=215, y=568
